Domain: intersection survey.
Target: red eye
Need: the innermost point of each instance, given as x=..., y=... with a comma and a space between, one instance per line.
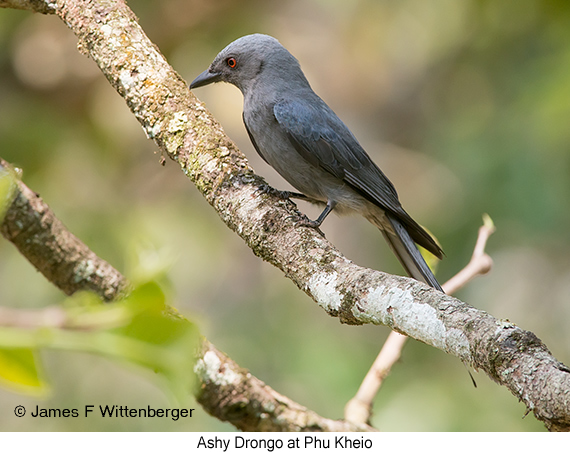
x=231, y=61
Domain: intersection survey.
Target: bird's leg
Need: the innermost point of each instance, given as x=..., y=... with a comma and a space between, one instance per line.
x=317, y=223
x=304, y=221
x=282, y=194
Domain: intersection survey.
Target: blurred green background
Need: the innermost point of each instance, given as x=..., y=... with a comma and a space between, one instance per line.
x=465, y=104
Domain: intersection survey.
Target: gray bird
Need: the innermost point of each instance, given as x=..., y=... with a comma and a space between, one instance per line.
x=299, y=135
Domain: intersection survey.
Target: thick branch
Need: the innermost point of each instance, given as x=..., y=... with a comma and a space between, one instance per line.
x=60, y=256
x=255, y=406
x=227, y=391
x=183, y=129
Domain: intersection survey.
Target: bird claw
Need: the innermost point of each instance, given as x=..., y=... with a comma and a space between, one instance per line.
x=269, y=190
x=303, y=222
x=301, y=219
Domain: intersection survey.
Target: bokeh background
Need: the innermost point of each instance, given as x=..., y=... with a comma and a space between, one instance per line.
x=465, y=104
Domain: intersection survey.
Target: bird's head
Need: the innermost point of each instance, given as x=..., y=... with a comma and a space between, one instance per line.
x=246, y=59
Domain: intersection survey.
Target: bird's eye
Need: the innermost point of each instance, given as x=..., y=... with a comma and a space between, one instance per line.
x=231, y=62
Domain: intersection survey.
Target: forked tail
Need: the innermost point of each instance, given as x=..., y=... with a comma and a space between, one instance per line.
x=408, y=254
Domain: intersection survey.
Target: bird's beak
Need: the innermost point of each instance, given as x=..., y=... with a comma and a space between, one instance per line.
x=205, y=78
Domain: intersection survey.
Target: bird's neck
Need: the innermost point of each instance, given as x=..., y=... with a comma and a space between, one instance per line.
x=268, y=91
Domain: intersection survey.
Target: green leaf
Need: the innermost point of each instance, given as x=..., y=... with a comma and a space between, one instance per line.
x=430, y=259
x=8, y=178
x=21, y=371
x=142, y=332
x=169, y=342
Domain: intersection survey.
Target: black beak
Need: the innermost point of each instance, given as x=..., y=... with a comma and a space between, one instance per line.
x=205, y=78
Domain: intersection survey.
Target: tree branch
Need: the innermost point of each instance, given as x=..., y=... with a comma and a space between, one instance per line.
x=60, y=256
x=234, y=395
x=39, y=6
x=184, y=130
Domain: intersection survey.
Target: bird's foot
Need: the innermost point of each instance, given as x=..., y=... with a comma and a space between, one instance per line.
x=269, y=190
x=281, y=194
x=301, y=221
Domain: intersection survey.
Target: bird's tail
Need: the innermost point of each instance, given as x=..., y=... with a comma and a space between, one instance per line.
x=407, y=253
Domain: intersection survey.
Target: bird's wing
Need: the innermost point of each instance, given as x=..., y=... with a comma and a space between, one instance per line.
x=324, y=140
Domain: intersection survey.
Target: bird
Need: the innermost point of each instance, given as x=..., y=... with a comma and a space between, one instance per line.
x=300, y=136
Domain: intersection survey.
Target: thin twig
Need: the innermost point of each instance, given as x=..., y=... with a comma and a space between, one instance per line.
x=50, y=317
x=480, y=262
